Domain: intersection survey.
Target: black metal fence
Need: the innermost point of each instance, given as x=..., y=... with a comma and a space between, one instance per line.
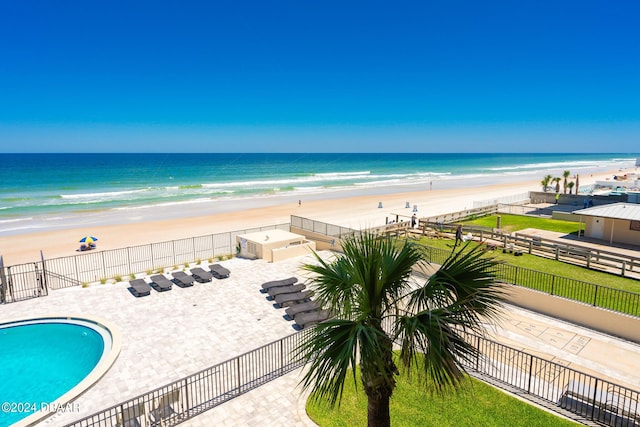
x=559, y=386
x=31, y=280
x=181, y=400
x=590, y=397
x=589, y=293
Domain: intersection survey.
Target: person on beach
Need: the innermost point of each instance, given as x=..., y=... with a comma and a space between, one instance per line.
x=557, y=197
x=299, y=203
x=414, y=219
x=459, y=233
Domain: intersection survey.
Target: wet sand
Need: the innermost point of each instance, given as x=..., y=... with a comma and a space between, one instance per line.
x=353, y=211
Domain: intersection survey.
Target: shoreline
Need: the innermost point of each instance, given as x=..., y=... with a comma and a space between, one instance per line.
x=353, y=211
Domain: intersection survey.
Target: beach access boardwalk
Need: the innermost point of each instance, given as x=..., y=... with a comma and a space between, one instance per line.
x=167, y=336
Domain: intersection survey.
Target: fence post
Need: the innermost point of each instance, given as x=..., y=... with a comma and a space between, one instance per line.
x=624, y=268
x=557, y=253
x=238, y=375
x=595, y=295
x=129, y=260
x=553, y=283
x=281, y=357
x=75, y=262
x=589, y=260
x=530, y=246
x=186, y=396
x=173, y=249
x=104, y=266
x=593, y=403
x=530, y=373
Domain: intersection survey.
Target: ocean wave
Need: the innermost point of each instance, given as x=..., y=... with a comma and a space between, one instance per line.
x=342, y=174
x=554, y=165
x=161, y=204
x=13, y=220
x=103, y=195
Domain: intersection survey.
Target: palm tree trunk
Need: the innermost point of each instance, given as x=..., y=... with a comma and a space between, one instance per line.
x=378, y=411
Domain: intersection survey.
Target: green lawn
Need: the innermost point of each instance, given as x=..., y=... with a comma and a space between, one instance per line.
x=551, y=266
x=511, y=223
x=479, y=404
x=539, y=276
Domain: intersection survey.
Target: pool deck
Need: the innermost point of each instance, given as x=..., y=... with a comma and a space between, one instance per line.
x=170, y=335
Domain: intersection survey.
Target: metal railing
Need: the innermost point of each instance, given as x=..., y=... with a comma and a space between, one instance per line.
x=31, y=280
x=188, y=397
x=588, y=396
x=320, y=227
x=589, y=293
x=561, y=387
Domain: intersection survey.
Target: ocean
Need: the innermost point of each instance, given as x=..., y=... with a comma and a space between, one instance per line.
x=48, y=191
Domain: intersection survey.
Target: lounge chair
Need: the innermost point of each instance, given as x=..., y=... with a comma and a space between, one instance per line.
x=290, y=289
x=297, y=297
x=160, y=283
x=276, y=283
x=140, y=287
x=218, y=271
x=200, y=275
x=168, y=406
x=305, y=319
x=134, y=416
x=182, y=279
x=302, y=308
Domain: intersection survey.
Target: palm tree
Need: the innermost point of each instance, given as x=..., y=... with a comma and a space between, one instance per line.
x=557, y=180
x=565, y=175
x=570, y=185
x=376, y=301
x=545, y=182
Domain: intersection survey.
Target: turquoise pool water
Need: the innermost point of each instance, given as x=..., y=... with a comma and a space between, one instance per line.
x=41, y=362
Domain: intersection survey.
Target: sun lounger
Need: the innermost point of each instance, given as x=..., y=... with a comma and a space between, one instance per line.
x=182, y=279
x=140, y=287
x=276, y=283
x=200, y=275
x=168, y=407
x=305, y=319
x=302, y=308
x=288, y=299
x=273, y=292
x=218, y=271
x=160, y=283
x=136, y=415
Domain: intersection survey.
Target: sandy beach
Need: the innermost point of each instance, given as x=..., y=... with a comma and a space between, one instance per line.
x=348, y=211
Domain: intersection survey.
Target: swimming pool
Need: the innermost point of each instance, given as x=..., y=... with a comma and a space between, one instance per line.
x=44, y=359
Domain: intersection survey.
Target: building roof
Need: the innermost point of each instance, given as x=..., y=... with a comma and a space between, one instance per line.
x=628, y=211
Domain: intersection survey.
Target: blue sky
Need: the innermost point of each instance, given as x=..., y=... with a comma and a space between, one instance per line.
x=330, y=76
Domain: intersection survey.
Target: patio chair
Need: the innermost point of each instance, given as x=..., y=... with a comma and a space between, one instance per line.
x=200, y=275
x=182, y=279
x=140, y=287
x=168, y=406
x=309, y=318
x=277, y=283
x=218, y=271
x=160, y=283
x=134, y=416
x=274, y=292
x=288, y=299
x=302, y=308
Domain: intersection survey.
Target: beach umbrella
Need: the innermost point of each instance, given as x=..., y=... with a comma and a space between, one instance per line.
x=88, y=240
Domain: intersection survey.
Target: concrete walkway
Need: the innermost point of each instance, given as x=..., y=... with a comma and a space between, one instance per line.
x=281, y=402
x=169, y=335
